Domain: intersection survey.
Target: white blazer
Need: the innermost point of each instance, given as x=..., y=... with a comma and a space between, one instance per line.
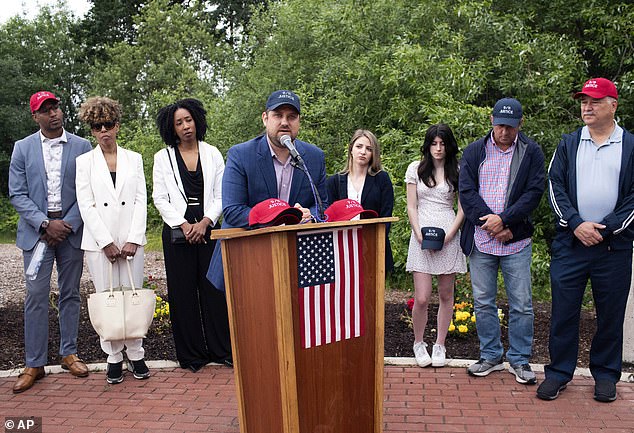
x=168, y=192
x=111, y=214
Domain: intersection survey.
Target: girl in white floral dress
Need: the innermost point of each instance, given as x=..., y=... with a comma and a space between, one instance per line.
x=432, y=187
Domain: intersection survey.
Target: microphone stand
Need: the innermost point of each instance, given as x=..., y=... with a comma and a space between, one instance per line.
x=299, y=163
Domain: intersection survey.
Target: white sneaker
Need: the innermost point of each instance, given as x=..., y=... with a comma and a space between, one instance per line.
x=420, y=352
x=438, y=358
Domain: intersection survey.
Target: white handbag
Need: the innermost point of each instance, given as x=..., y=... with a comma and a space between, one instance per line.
x=122, y=314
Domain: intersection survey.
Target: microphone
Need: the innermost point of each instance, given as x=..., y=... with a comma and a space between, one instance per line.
x=288, y=143
x=297, y=161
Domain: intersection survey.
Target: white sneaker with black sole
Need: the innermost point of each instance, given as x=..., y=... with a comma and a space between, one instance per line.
x=139, y=369
x=114, y=373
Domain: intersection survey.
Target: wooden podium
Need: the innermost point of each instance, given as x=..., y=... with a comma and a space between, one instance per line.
x=283, y=387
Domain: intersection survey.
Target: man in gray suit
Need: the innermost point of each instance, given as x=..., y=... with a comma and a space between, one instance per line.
x=42, y=190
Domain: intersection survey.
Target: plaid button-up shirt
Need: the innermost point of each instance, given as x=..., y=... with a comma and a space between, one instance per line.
x=494, y=182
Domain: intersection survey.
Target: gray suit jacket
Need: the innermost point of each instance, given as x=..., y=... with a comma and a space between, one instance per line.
x=28, y=189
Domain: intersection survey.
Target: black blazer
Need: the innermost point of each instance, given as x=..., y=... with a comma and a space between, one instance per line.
x=378, y=195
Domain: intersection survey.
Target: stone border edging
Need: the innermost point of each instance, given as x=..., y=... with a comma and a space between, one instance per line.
x=403, y=362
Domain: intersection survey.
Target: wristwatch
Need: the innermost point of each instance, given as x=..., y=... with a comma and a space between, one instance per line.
x=44, y=226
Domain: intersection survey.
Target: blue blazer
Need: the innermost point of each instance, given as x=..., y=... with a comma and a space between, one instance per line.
x=377, y=195
x=249, y=179
x=28, y=189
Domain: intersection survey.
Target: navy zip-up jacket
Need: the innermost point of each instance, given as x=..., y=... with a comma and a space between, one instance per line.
x=525, y=189
x=562, y=194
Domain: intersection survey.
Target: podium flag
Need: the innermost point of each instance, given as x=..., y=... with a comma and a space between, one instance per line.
x=330, y=281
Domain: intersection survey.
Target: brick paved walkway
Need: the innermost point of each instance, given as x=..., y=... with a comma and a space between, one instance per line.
x=416, y=400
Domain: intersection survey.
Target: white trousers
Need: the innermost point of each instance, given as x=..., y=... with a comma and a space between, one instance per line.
x=99, y=268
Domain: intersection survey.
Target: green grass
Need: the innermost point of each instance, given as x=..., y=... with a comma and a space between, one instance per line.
x=153, y=235
x=7, y=237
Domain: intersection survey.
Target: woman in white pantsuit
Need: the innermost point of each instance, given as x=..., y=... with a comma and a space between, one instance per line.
x=112, y=199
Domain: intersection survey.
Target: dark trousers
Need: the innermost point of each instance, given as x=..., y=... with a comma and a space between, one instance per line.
x=198, y=311
x=609, y=272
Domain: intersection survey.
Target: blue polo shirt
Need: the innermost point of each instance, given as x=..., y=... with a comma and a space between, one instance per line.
x=598, y=168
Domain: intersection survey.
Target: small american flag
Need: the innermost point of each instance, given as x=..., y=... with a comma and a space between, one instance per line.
x=330, y=280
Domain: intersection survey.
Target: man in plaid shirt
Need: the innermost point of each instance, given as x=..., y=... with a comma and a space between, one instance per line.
x=502, y=179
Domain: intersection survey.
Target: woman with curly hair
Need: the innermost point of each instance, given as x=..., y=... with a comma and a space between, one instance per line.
x=112, y=199
x=432, y=187
x=187, y=179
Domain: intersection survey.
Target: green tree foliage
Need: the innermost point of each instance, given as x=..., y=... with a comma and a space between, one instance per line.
x=392, y=66
x=229, y=18
x=35, y=55
x=396, y=67
x=106, y=23
x=603, y=34
x=176, y=53
x=172, y=56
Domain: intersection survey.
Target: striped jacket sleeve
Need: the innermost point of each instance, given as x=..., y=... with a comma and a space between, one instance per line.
x=559, y=195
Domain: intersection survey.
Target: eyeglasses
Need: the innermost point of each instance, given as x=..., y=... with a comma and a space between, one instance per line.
x=107, y=125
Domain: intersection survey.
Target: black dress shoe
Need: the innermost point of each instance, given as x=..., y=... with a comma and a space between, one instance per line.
x=604, y=391
x=193, y=367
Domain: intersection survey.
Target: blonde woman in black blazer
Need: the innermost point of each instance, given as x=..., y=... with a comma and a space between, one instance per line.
x=365, y=181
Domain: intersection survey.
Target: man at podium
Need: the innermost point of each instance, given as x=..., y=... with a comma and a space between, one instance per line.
x=267, y=167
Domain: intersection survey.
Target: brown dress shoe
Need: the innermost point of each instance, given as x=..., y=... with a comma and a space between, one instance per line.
x=76, y=366
x=27, y=378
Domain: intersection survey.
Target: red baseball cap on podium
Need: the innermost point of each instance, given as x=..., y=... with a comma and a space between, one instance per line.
x=273, y=212
x=346, y=209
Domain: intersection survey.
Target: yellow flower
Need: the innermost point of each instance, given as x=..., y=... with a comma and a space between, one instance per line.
x=473, y=318
x=452, y=327
x=462, y=316
x=463, y=329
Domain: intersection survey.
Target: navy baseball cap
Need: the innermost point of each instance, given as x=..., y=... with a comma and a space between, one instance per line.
x=507, y=111
x=433, y=238
x=282, y=97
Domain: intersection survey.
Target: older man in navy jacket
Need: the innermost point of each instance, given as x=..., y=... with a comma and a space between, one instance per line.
x=261, y=168
x=501, y=183
x=591, y=183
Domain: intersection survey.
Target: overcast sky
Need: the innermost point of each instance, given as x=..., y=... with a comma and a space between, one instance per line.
x=15, y=7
